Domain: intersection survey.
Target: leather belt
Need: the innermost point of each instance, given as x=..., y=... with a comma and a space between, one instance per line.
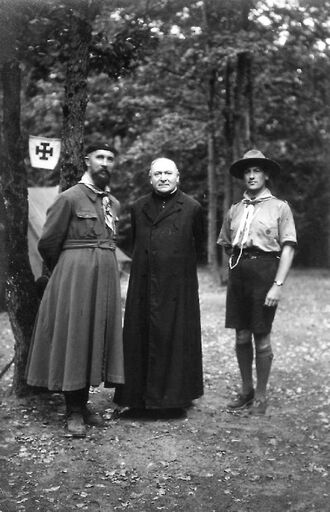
x=257, y=253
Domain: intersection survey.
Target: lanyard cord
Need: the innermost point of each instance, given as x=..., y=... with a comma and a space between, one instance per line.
x=243, y=232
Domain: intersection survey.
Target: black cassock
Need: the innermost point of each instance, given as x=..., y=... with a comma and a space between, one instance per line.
x=162, y=333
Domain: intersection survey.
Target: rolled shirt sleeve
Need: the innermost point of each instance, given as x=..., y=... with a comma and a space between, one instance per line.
x=287, y=230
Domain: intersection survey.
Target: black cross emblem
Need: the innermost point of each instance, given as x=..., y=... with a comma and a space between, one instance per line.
x=44, y=151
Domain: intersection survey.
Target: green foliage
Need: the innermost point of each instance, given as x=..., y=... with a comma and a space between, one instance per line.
x=305, y=184
x=124, y=52
x=149, y=66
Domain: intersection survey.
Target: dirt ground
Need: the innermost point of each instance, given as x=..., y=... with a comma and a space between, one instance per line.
x=207, y=461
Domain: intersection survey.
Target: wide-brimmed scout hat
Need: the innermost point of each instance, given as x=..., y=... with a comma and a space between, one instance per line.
x=253, y=158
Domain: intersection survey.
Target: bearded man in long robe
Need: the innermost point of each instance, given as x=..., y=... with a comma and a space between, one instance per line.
x=77, y=340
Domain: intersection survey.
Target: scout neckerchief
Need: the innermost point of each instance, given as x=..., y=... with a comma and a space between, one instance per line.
x=106, y=202
x=250, y=211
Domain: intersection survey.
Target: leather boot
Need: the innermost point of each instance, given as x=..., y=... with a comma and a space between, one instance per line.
x=75, y=403
x=75, y=424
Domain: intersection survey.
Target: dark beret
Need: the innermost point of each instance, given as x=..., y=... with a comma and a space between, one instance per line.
x=99, y=145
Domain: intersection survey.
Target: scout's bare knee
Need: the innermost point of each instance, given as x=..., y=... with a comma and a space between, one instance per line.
x=243, y=337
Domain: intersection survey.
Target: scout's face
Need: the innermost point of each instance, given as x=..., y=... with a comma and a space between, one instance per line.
x=99, y=167
x=255, y=179
x=164, y=176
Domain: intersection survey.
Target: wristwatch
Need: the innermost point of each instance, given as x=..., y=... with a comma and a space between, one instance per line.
x=278, y=283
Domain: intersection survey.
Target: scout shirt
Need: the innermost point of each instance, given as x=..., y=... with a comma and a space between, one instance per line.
x=269, y=226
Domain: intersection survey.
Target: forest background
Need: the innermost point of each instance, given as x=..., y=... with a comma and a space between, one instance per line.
x=200, y=82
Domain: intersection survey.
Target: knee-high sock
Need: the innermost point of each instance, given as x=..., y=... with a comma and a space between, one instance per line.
x=264, y=358
x=244, y=354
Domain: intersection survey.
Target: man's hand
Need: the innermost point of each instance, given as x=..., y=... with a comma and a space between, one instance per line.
x=273, y=296
x=275, y=293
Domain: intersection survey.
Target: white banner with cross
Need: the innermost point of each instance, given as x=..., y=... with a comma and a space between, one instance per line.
x=44, y=152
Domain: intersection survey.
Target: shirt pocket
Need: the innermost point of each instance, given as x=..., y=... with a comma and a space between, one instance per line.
x=268, y=230
x=88, y=225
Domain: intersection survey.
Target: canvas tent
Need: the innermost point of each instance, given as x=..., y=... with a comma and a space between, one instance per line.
x=40, y=198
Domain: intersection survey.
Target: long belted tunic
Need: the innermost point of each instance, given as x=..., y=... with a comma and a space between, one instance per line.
x=77, y=339
x=162, y=333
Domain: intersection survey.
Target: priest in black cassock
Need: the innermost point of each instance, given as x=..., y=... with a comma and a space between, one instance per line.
x=162, y=333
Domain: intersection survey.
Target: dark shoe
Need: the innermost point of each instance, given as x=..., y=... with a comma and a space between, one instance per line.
x=258, y=408
x=241, y=401
x=75, y=424
x=92, y=417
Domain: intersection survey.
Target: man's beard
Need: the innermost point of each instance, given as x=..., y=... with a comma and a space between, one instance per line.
x=101, y=181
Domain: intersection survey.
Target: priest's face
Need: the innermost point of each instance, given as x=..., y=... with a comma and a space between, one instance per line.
x=164, y=176
x=99, y=167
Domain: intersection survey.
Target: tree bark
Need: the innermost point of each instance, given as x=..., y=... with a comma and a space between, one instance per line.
x=75, y=101
x=243, y=106
x=3, y=256
x=238, y=128
x=211, y=179
x=211, y=163
x=229, y=137
x=21, y=298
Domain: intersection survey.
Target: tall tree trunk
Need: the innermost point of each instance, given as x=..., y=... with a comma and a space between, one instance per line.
x=75, y=101
x=3, y=255
x=211, y=165
x=238, y=128
x=229, y=137
x=326, y=259
x=243, y=106
x=239, y=116
x=211, y=178
x=21, y=295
